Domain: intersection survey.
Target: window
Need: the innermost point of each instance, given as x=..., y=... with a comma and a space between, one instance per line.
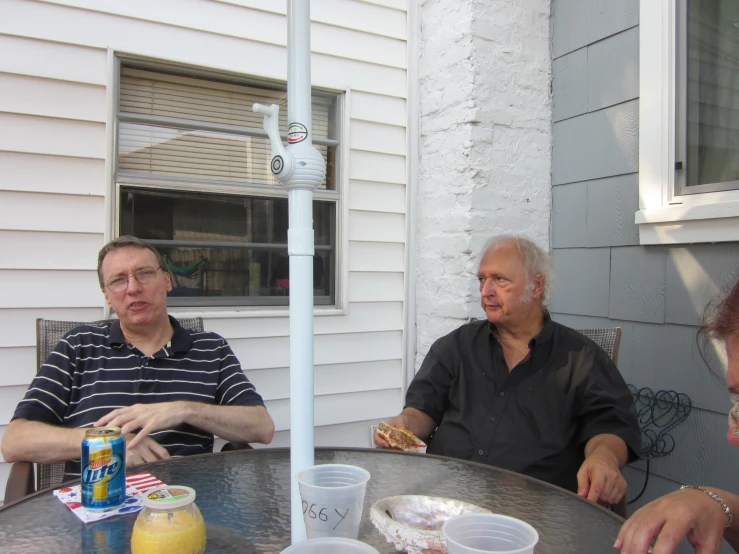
x=193, y=178
x=689, y=121
x=708, y=96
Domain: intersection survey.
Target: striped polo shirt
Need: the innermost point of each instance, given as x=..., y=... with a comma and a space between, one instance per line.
x=93, y=370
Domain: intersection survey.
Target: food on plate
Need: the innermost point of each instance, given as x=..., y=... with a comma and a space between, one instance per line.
x=413, y=523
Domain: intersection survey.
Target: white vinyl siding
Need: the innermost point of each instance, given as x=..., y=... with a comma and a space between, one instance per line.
x=54, y=112
x=18, y=326
x=36, y=172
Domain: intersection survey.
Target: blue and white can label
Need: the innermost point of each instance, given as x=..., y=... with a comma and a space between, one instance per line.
x=103, y=478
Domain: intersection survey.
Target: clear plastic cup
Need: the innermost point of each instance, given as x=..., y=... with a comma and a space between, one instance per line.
x=333, y=498
x=330, y=545
x=489, y=533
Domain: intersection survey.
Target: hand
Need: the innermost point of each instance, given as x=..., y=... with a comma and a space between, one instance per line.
x=149, y=418
x=600, y=479
x=686, y=512
x=147, y=450
x=399, y=422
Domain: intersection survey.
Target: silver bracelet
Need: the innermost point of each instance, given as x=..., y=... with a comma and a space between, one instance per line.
x=717, y=498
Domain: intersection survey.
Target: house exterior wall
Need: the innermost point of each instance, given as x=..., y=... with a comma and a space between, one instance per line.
x=602, y=276
x=55, y=144
x=485, y=147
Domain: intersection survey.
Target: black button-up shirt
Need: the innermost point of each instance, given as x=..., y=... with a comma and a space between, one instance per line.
x=535, y=419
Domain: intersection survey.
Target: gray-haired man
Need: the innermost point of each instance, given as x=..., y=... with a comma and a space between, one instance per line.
x=522, y=392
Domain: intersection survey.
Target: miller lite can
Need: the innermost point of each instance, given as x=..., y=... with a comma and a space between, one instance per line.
x=103, y=477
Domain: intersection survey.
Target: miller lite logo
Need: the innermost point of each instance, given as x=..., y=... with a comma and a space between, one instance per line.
x=98, y=470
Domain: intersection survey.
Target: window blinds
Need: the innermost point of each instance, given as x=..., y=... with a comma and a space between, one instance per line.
x=192, y=153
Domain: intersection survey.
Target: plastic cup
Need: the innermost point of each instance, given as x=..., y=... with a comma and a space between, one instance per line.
x=489, y=533
x=333, y=498
x=330, y=545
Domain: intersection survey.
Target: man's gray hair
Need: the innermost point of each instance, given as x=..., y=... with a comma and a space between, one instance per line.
x=534, y=258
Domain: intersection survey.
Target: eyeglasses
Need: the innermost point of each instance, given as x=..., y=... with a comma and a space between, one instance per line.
x=142, y=276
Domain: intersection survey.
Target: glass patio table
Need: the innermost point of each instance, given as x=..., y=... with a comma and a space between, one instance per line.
x=244, y=497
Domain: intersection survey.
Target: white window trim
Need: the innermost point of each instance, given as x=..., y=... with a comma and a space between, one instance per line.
x=663, y=217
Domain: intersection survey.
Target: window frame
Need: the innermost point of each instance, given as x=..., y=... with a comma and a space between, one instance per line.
x=664, y=216
x=197, y=305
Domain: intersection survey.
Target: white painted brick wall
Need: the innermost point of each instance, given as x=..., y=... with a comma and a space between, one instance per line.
x=485, y=146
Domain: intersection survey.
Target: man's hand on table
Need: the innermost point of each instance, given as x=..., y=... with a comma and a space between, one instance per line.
x=146, y=450
x=149, y=418
x=599, y=478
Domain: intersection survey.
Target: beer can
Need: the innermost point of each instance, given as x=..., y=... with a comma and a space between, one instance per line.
x=103, y=476
x=104, y=537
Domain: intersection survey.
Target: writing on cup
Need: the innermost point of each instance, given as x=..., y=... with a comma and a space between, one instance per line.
x=332, y=499
x=314, y=511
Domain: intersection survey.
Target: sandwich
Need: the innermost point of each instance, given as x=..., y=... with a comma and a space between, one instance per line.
x=400, y=439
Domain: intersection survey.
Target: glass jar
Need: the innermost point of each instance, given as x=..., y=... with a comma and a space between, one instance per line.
x=170, y=523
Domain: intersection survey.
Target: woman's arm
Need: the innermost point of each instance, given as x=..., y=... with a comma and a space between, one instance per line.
x=690, y=513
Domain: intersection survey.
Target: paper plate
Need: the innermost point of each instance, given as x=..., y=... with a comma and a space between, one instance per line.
x=413, y=523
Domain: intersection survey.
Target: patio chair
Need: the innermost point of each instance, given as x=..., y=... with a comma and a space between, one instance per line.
x=609, y=339
x=22, y=480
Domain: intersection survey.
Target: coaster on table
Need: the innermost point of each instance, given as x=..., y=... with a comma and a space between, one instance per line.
x=136, y=485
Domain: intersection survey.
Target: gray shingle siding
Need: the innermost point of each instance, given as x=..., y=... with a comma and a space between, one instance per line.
x=603, y=277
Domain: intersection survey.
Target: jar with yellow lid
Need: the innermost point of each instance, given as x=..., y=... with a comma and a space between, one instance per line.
x=170, y=523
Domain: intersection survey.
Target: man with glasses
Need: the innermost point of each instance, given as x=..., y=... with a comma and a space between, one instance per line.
x=169, y=389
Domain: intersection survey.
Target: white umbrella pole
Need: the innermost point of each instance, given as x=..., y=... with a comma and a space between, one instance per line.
x=299, y=168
